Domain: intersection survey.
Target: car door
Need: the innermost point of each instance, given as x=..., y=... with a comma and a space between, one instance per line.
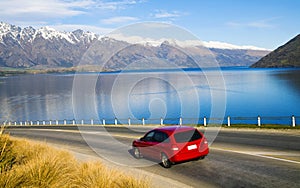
x=146, y=143
x=158, y=145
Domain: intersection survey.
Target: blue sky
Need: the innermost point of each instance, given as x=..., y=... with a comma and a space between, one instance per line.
x=261, y=23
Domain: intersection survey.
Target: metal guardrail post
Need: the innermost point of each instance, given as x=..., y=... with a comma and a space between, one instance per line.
x=180, y=121
x=293, y=121
x=129, y=122
x=258, y=121
x=204, y=121
x=103, y=121
x=161, y=121
x=228, y=121
x=116, y=121
x=143, y=121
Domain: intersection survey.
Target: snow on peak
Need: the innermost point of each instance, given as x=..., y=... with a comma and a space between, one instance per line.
x=182, y=43
x=50, y=33
x=223, y=45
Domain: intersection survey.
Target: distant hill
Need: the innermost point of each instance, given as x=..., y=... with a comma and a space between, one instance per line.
x=287, y=55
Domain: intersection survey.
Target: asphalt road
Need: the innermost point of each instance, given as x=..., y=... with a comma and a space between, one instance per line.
x=238, y=158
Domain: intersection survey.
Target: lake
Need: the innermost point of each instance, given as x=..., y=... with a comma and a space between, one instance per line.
x=241, y=93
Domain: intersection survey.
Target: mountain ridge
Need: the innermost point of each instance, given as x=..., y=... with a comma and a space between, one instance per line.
x=48, y=48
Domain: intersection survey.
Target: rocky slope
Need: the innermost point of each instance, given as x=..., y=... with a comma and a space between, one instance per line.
x=287, y=55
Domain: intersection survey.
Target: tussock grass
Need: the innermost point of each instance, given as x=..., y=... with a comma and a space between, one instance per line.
x=30, y=164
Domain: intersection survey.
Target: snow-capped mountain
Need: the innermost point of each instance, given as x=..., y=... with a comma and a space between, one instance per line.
x=46, y=47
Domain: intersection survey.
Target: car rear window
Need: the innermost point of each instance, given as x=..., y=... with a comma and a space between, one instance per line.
x=187, y=136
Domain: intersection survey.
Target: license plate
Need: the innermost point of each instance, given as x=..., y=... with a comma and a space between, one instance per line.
x=194, y=146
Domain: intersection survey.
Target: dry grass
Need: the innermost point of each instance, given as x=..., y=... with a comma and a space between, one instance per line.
x=29, y=164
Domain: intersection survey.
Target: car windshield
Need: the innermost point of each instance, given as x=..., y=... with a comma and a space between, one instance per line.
x=187, y=136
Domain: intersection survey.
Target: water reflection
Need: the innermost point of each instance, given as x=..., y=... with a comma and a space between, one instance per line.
x=250, y=92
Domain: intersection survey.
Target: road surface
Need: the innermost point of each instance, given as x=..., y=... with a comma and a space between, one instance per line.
x=238, y=158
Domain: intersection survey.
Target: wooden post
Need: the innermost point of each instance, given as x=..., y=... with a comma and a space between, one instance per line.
x=228, y=121
x=293, y=121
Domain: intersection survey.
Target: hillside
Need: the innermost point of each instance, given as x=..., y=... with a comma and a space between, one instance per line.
x=287, y=55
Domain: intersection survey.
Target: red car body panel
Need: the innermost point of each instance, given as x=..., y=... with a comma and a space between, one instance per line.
x=176, y=151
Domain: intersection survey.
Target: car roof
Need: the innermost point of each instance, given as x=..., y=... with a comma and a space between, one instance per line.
x=177, y=128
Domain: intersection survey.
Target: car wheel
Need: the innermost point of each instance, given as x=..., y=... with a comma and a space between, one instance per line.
x=137, y=153
x=165, y=162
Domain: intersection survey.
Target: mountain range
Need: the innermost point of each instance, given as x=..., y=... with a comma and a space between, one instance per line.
x=48, y=48
x=287, y=55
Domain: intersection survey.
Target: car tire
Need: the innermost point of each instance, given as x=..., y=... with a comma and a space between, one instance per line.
x=137, y=153
x=165, y=162
x=200, y=158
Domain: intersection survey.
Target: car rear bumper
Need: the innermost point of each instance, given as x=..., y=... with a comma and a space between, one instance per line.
x=179, y=157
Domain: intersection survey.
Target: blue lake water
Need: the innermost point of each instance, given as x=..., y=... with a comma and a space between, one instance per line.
x=242, y=93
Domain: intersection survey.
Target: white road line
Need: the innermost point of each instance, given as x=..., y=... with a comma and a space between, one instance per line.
x=257, y=155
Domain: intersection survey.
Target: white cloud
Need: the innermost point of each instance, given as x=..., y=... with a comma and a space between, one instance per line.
x=114, y=5
x=119, y=19
x=49, y=8
x=37, y=9
x=166, y=14
x=264, y=23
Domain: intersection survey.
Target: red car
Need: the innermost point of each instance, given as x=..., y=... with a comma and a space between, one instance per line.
x=171, y=144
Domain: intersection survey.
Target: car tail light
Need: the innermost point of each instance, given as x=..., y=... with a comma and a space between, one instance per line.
x=203, y=145
x=175, y=148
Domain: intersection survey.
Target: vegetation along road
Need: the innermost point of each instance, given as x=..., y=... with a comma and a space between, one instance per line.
x=238, y=157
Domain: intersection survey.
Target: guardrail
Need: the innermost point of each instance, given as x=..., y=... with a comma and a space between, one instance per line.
x=205, y=121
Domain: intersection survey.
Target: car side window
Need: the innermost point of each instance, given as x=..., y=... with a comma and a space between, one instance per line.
x=160, y=137
x=149, y=136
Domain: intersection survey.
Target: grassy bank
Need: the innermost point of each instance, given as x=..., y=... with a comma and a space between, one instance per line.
x=5, y=71
x=29, y=164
